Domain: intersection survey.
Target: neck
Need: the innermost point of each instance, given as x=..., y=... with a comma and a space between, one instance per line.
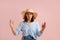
x=28, y=21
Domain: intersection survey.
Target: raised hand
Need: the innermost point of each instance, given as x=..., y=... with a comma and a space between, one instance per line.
x=11, y=23
x=43, y=26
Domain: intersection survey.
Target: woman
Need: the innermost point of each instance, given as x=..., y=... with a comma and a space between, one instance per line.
x=29, y=27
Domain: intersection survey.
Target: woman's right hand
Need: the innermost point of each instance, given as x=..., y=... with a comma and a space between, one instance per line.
x=11, y=23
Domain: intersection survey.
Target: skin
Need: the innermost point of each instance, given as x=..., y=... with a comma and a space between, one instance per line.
x=29, y=16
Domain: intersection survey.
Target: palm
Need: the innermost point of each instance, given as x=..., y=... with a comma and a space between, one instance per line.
x=44, y=25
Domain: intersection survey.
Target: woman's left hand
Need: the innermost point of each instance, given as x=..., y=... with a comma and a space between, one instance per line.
x=43, y=26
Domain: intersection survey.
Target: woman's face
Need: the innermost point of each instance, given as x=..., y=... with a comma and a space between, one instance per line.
x=29, y=15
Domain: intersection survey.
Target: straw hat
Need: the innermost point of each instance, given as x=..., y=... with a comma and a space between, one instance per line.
x=30, y=11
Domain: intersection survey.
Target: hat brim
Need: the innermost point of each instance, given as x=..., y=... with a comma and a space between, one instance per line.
x=24, y=11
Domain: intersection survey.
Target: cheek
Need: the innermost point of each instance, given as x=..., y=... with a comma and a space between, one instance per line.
x=26, y=15
x=31, y=16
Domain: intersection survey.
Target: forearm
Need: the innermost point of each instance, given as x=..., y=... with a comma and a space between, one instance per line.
x=42, y=30
x=11, y=23
x=39, y=33
x=13, y=30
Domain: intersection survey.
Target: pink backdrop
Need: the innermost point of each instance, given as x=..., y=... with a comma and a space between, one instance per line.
x=48, y=10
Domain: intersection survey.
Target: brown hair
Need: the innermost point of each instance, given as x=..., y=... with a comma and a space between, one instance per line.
x=33, y=17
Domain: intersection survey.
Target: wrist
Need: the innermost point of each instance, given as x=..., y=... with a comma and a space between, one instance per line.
x=42, y=30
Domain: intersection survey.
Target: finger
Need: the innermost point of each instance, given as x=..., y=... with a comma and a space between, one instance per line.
x=10, y=20
x=44, y=23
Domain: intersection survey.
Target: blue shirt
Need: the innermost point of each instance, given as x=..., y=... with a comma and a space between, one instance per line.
x=32, y=29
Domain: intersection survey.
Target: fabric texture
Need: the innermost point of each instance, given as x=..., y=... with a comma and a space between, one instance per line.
x=28, y=38
x=32, y=29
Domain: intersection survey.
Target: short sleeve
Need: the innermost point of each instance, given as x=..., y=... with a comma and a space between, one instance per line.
x=38, y=29
x=19, y=29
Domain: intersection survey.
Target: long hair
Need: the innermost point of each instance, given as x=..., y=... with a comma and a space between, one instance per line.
x=34, y=15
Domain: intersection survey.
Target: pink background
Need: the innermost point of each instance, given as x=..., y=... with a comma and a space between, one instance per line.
x=48, y=10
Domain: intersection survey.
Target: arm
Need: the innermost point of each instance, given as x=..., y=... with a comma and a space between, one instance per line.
x=43, y=27
x=11, y=23
x=39, y=32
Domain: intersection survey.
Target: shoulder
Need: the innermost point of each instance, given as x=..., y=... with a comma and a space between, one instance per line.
x=21, y=23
